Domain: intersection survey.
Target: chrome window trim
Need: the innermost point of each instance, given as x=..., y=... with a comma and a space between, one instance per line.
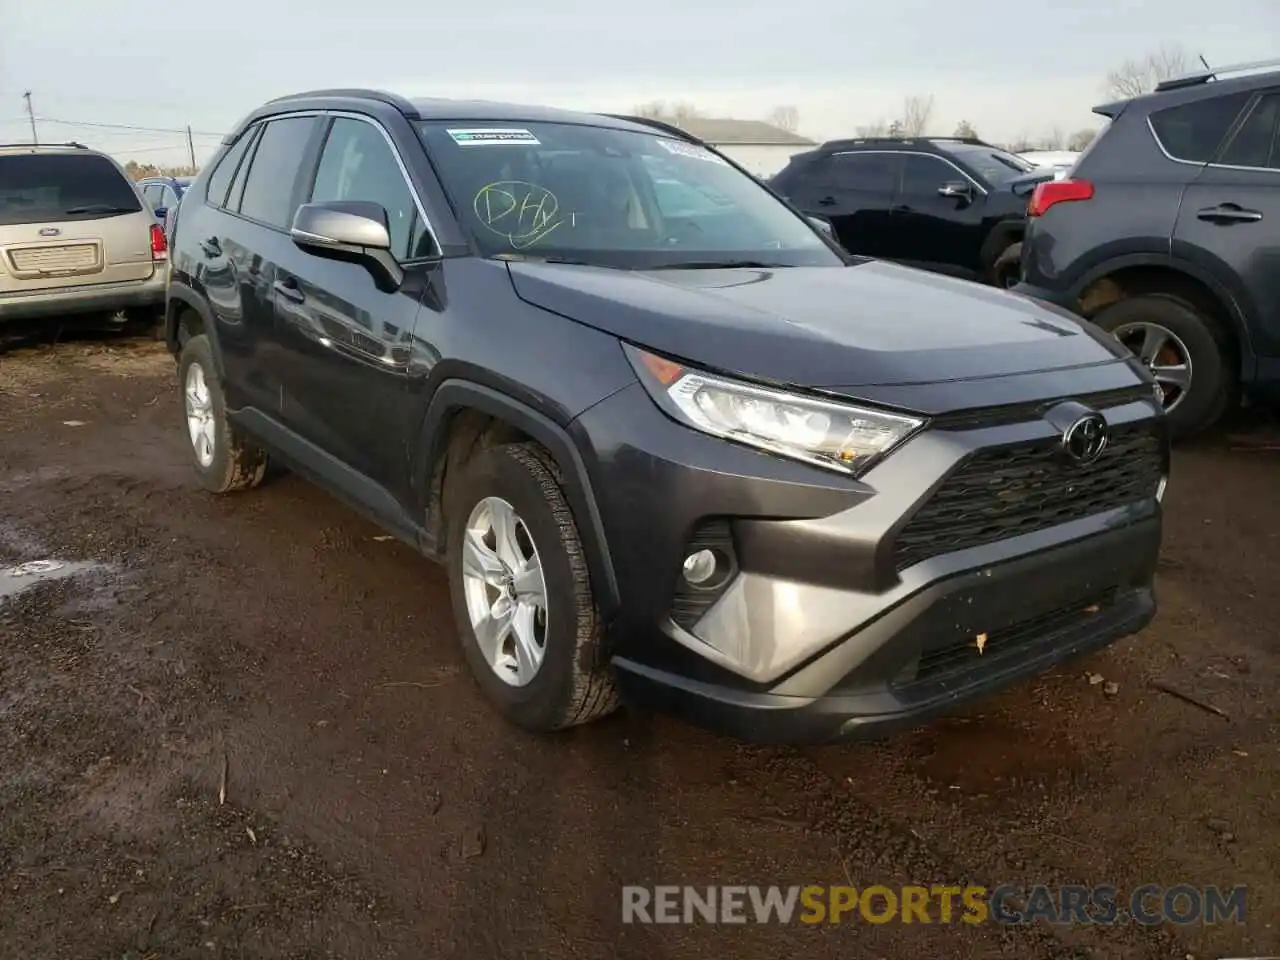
x=915, y=153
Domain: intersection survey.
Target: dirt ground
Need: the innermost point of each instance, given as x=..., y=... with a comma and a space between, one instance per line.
x=245, y=730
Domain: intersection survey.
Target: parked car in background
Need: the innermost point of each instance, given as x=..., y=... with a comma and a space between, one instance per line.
x=1058, y=161
x=76, y=239
x=951, y=205
x=1167, y=236
x=667, y=439
x=163, y=193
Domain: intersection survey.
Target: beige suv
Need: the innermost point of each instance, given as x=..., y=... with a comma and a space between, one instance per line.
x=76, y=238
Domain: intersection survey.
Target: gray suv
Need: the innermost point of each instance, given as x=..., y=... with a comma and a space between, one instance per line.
x=76, y=237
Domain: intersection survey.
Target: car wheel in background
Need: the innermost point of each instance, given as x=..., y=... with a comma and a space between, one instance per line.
x=223, y=459
x=1184, y=349
x=521, y=592
x=1006, y=271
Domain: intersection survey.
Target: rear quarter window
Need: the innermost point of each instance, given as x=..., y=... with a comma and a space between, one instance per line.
x=1194, y=131
x=42, y=188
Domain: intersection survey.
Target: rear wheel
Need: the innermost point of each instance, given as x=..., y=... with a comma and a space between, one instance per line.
x=1184, y=349
x=223, y=458
x=521, y=593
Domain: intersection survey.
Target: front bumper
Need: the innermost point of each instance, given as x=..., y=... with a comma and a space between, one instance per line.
x=827, y=630
x=920, y=658
x=88, y=298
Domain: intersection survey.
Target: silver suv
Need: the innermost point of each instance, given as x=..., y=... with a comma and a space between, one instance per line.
x=76, y=237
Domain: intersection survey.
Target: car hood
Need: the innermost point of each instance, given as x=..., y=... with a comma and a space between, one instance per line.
x=871, y=324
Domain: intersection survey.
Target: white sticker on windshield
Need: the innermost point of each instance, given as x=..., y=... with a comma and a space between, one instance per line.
x=682, y=149
x=491, y=135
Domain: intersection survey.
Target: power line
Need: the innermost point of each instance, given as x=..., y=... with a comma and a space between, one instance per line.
x=129, y=126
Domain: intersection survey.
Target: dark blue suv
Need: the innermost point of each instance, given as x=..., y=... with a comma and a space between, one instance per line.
x=667, y=438
x=163, y=193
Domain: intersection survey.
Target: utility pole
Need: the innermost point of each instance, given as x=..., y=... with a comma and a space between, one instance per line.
x=191, y=148
x=31, y=115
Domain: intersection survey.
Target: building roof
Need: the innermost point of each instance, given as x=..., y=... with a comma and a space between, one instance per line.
x=724, y=131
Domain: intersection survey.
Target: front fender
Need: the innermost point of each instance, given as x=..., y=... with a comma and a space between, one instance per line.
x=455, y=396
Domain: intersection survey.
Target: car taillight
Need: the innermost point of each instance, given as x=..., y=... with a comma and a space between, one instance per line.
x=1050, y=192
x=159, y=245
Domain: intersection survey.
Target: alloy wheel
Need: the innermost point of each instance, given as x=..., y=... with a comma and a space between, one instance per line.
x=199, y=408
x=505, y=590
x=1163, y=353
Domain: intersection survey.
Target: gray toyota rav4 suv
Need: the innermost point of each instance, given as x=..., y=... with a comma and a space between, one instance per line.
x=684, y=451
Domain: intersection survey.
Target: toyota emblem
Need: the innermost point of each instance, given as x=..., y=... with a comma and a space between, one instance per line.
x=1085, y=439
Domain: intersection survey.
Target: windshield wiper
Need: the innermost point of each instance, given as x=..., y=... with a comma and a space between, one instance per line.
x=523, y=257
x=720, y=265
x=97, y=208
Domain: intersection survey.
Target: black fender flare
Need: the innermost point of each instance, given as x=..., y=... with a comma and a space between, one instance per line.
x=1239, y=325
x=456, y=395
x=182, y=296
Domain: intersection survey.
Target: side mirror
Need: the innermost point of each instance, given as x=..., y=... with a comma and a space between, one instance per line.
x=823, y=225
x=353, y=231
x=956, y=188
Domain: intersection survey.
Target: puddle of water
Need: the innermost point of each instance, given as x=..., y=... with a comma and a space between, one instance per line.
x=24, y=576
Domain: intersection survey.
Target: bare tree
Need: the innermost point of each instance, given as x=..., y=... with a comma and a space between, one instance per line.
x=916, y=112
x=785, y=117
x=676, y=113
x=1054, y=141
x=1133, y=78
x=877, y=129
x=1021, y=144
x=966, y=129
x=1081, y=139
x=895, y=129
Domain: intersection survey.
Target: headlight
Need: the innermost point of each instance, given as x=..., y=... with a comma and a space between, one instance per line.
x=837, y=436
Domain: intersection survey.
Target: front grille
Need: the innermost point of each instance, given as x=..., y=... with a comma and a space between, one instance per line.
x=67, y=258
x=1004, y=492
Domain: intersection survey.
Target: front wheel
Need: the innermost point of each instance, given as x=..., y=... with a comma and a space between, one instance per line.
x=1185, y=350
x=521, y=592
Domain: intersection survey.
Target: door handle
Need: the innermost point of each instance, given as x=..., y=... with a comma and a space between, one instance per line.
x=1228, y=213
x=827, y=202
x=211, y=247
x=288, y=288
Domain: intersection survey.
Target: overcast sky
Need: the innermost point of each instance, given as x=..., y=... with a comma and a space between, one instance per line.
x=1012, y=69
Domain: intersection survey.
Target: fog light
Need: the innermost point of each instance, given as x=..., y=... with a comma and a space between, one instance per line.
x=1159, y=498
x=700, y=567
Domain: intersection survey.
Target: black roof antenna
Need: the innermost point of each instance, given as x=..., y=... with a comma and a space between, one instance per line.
x=1204, y=61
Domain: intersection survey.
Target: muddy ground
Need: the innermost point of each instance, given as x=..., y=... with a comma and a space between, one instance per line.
x=248, y=732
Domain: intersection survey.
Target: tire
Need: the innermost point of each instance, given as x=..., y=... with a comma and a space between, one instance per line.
x=235, y=463
x=1007, y=268
x=573, y=684
x=1213, y=381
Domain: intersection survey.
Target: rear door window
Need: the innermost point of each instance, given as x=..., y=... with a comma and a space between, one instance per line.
x=220, y=179
x=48, y=187
x=1257, y=142
x=1194, y=131
x=863, y=172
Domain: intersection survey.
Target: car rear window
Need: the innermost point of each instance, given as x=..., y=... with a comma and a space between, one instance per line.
x=41, y=188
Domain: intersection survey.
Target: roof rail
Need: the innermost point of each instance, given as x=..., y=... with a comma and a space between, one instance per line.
x=656, y=124
x=356, y=93
x=852, y=141
x=32, y=143
x=1198, y=77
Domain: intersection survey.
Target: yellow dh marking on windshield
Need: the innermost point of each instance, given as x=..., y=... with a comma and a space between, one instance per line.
x=523, y=213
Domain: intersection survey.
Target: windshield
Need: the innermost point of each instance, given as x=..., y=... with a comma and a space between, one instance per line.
x=612, y=197
x=992, y=163
x=50, y=187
